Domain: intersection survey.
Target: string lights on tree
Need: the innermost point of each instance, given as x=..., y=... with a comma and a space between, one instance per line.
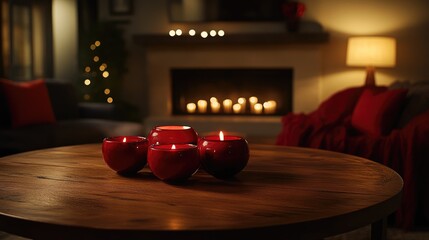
x=103, y=64
x=96, y=71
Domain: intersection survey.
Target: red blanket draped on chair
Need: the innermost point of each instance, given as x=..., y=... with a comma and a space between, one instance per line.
x=405, y=150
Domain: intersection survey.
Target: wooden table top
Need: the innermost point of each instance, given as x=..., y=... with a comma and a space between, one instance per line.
x=283, y=193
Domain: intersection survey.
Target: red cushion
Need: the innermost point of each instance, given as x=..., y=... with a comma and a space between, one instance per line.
x=28, y=102
x=339, y=105
x=377, y=112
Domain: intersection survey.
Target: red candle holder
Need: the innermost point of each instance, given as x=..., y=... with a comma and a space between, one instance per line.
x=161, y=135
x=223, y=157
x=125, y=154
x=173, y=162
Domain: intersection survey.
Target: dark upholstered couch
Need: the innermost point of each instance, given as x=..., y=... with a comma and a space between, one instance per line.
x=398, y=136
x=76, y=123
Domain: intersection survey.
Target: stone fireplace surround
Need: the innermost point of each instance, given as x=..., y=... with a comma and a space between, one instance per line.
x=304, y=59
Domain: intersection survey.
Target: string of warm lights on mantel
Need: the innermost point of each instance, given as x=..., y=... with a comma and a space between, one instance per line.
x=193, y=32
x=214, y=36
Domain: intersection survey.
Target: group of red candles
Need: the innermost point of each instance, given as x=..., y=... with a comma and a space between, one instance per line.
x=175, y=153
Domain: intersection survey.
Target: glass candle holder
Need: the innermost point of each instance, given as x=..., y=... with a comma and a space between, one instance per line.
x=223, y=157
x=161, y=135
x=173, y=162
x=125, y=154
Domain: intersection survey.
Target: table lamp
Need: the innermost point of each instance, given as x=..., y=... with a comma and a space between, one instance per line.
x=371, y=52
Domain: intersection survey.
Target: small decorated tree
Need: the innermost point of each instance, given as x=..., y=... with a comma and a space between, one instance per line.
x=102, y=64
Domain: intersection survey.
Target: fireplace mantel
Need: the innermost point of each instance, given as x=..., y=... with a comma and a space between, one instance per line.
x=237, y=38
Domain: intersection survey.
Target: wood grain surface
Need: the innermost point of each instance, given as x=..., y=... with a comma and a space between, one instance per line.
x=283, y=193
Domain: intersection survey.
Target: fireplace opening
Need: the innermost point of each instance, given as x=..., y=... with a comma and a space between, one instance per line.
x=231, y=91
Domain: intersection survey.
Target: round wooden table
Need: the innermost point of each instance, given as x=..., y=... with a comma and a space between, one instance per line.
x=283, y=193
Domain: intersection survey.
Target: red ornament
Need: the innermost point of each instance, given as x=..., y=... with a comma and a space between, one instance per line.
x=293, y=9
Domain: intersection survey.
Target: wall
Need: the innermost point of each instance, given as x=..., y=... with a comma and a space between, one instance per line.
x=65, y=39
x=407, y=21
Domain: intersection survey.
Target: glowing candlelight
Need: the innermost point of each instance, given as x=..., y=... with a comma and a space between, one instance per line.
x=267, y=107
x=162, y=135
x=213, y=99
x=223, y=156
x=273, y=105
x=236, y=108
x=242, y=102
x=176, y=162
x=253, y=100
x=191, y=107
x=227, y=105
x=221, y=136
x=258, y=108
x=270, y=107
x=125, y=154
x=202, y=106
x=215, y=106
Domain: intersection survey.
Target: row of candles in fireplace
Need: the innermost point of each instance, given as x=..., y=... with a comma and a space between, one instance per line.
x=228, y=106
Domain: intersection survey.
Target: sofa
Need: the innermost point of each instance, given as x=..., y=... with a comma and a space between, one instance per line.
x=389, y=125
x=46, y=113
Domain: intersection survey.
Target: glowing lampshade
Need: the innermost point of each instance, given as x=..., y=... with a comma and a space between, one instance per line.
x=371, y=52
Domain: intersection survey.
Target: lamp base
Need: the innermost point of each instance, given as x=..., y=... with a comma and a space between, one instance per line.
x=370, y=77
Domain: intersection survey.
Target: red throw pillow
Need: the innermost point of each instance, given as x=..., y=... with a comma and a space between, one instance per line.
x=377, y=112
x=339, y=105
x=28, y=102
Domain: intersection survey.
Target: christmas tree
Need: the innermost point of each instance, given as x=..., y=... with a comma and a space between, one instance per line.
x=102, y=64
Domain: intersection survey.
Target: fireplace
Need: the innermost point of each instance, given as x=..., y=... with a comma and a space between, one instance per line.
x=231, y=91
x=301, y=61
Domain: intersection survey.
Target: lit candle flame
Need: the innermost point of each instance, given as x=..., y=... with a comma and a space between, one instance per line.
x=253, y=100
x=221, y=137
x=191, y=107
x=124, y=140
x=257, y=108
x=173, y=147
x=227, y=105
x=236, y=108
